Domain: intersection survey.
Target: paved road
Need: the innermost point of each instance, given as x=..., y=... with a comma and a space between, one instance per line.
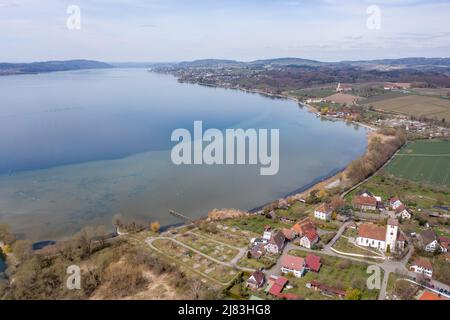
x=336, y=237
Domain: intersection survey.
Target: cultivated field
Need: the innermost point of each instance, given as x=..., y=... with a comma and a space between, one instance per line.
x=443, y=92
x=423, y=161
x=414, y=105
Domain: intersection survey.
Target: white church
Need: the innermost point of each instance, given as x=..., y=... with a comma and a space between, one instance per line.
x=381, y=237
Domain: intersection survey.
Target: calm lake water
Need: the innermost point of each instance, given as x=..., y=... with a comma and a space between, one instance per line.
x=78, y=147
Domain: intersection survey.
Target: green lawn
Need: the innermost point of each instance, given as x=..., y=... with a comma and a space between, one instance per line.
x=423, y=161
x=297, y=211
x=335, y=272
x=256, y=224
x=263, y=262
x=413, y=194
x=344, y=245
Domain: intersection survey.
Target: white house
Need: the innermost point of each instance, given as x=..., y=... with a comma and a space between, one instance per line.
x=379, y=237
x=395, y=203
x=294, y=265
x=422, y=266
x=267, y=234
x=323, y=212
x=430, y=240
x=276, y=243
x=309, y=239
x=403, y=212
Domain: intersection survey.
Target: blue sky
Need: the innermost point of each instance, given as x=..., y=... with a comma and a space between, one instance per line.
x=175, y=30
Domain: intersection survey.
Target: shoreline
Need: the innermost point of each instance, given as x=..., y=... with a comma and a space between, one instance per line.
x=320, y=182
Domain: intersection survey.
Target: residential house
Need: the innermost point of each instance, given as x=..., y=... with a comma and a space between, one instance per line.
x=444, y=242
x=430, y=241
x=257, y=251
x=289, y=234
x=365, y=203
x=422, y=266
x=300, y=228
x=256, y=280
x=383, y=238
x=276, y=243
x=395, y=202
x=294, y=265
x=309, y=239
x=323, y=212
x=276, y=286
x=313, y=262
x=402, y=212
x=267, y=235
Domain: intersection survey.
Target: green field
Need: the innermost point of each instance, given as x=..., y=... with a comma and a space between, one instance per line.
x=423, y=161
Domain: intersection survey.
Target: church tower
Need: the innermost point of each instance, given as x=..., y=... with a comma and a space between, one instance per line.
x=391, y=235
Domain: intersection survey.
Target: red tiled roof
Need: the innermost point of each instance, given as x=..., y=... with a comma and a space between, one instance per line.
x=324, y=207
x=400, y=208
x=313, y=262
x=311, y=235
x=275, y=289
x=372, y=231
x=424, y=263
x=281, y=281
x=289, y=296
x=289, y=233
x=303, y=226
x=293, y=263
x=444, y=241
x=364, y=201
x=427, y=295
x=394, y=199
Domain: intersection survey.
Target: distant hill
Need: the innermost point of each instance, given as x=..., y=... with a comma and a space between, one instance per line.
x=288, y=62
x=50, y=66
x=217, y=63
x=413, y=62
x=209, y=63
